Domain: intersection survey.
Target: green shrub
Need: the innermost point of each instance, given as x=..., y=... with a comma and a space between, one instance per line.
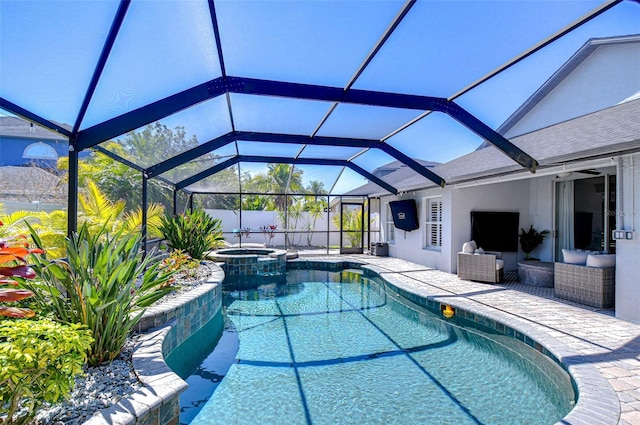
x=195, y=232
x=38, y=360
x=104, y=284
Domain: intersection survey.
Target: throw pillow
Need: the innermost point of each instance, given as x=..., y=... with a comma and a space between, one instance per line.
x=575, y=257
x=469, y=247
x=601, y=261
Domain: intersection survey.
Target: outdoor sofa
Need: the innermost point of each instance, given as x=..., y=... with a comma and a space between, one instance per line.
x=592, y=283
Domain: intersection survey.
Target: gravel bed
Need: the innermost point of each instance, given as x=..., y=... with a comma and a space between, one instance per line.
x=103, y=386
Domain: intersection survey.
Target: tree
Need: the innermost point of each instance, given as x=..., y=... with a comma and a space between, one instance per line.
x=145, y=147
x=316, y=188
x=280, y=179
x=156, y=143
x=315, y=205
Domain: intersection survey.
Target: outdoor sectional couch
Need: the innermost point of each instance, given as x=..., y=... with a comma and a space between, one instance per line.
x=586, y=284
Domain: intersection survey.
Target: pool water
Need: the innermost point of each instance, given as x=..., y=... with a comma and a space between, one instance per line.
x=335, y=348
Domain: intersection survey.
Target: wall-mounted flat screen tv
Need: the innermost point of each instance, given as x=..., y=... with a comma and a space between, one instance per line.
x=405, y=214
x=495, y=231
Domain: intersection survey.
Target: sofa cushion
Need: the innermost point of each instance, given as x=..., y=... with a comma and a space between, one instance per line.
x=499, y=264
x=575, y=257
x=469, y=247
x=479, y=251
x=601, y=261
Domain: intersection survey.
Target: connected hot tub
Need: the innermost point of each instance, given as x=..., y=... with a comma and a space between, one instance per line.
x=251, y=261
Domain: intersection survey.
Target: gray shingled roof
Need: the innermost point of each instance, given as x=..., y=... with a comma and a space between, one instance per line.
x=31, y=183
x=17, y=127
x=609, y=131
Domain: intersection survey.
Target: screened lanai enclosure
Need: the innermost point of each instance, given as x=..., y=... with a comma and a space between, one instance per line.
x=270, y=115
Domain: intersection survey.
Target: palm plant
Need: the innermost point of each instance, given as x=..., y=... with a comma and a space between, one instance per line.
x=195, y=232
x=530, y=239
x=105, y=284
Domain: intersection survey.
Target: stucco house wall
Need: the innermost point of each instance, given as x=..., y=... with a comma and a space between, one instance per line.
x=593, y=84
x=457, y=204
x=628, y=251
x=411, y=245
x=511, y=196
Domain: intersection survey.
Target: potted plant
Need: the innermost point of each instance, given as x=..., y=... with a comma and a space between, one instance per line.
x=531, y=239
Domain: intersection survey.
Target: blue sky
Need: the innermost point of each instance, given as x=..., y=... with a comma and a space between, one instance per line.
x=49, y=50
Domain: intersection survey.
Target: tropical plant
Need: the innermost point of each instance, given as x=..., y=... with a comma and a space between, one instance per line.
x=49, y=225
x=352, y=221
x=13, y=254
x=289, y=218
x=105, y=284
x=531, y=239
x=38, y=361
x=179, y=261
x=268, y=231
x=97, y=210
x=194, y=232
x=315, y=208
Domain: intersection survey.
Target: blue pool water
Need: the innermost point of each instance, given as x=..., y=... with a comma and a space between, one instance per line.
x=335, y=348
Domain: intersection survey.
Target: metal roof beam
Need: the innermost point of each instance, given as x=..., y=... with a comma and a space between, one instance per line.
x=283, y=160
x=216, y=34
x=373, y=98
x=347, y=142
x=102, y=61
x=330, y=94
x=191, y=154
x=221, y=141
x=558, y=34
x=487, y=133
x=147, y=114
x=128, y=163
x=118, y=158
x=30, y=116
x=206, y=173
x=372, y=54
x=157, y=110
x=321, y=161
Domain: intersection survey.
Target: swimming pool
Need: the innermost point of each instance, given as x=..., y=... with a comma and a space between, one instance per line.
x=335, y=347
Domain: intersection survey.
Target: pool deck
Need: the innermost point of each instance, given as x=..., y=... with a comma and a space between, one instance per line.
x=610, y=346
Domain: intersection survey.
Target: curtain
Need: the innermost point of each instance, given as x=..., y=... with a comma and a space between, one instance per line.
x=565, y=216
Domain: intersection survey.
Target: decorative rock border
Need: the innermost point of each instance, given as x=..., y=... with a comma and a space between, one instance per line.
x=165, y=326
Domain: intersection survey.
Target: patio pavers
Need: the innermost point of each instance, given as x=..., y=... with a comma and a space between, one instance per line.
x=610, y=345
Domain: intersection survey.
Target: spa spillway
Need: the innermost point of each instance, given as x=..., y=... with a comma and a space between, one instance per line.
x=251, y=261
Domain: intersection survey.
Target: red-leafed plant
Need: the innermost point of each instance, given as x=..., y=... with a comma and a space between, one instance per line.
x=13, y=254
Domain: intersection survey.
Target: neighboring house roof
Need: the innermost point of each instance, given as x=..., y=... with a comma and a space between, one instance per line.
x=31, y=184
x=610, y=131
x=390, y=171
x=17, y=127
x=386, y=169
x=563, y=72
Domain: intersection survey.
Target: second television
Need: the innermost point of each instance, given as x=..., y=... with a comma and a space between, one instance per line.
x=495, y=230
x=405, y=214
